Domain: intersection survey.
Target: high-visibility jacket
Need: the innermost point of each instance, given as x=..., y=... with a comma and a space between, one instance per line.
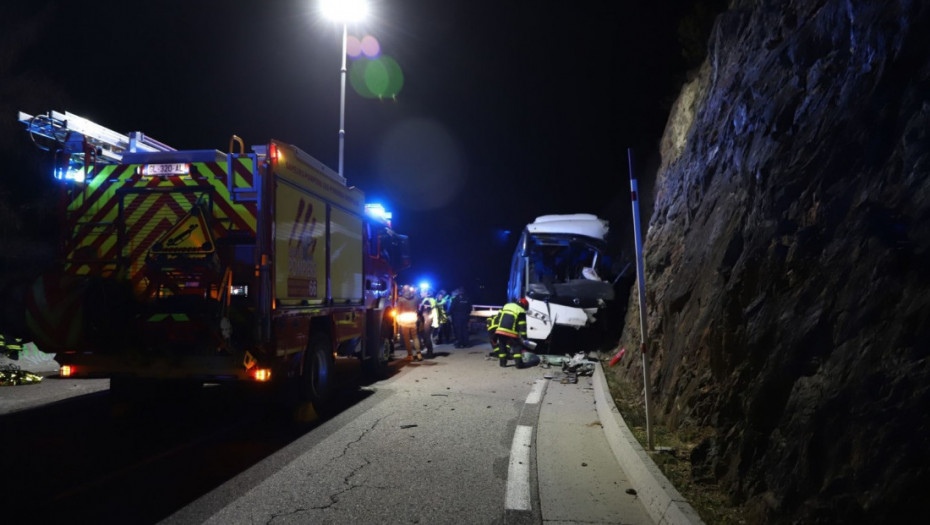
x=443, y=309
x=428, y=308
x=512, y=321
x=408, y=306
x=493, y=323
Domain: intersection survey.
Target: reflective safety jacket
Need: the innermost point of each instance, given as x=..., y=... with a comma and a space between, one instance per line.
x=442, y=308
x=493, y=323
x=407, y=311
x=512, y=322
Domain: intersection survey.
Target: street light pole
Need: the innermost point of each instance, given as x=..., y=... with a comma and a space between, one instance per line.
x=342, y=99
x=343, y=11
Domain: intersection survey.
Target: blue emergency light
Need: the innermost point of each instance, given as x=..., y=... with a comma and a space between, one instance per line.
x=377, y=210
x=72, y=173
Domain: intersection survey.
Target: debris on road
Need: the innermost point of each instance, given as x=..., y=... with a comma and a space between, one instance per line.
x=12, y=375
x=547, y=361
x=579, y=364
x=616, y=359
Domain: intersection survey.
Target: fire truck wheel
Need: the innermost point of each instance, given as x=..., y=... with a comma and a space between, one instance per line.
x=316, y=381
x=387, y=350
x=376, y=366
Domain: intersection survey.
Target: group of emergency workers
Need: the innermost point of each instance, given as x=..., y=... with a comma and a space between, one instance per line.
x=427, y=320
x=421, y=319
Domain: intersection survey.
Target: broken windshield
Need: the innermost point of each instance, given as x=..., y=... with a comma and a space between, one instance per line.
x=551, y=266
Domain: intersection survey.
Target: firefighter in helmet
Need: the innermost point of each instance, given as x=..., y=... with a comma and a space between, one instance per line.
x=407, y=322
x=491, y=326
x=511, y=331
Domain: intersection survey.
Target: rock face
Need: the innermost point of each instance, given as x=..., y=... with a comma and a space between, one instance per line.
x=787, y=264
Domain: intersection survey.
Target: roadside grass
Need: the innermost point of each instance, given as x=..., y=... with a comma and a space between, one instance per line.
x=672, y=455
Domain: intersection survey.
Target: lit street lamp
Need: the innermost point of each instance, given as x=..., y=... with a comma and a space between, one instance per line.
x=343, y=11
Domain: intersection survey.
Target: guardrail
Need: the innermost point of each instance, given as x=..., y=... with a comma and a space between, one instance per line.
x=484, y=310
x=477, y=320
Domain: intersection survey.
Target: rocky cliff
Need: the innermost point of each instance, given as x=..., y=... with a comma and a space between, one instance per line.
x=787, y=264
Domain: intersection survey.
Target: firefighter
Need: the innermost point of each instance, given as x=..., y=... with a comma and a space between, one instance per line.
x=491, y=325
x=511, y=331
x=407, y=322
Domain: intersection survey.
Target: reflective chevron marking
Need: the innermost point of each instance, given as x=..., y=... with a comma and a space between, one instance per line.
x=94, y=213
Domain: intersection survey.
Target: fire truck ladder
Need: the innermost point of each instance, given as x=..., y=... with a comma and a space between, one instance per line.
x=250, y=194
x=76, y=135
x=79, y=145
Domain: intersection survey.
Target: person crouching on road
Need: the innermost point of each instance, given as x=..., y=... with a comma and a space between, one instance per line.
x=407, y=322
x=511, y=331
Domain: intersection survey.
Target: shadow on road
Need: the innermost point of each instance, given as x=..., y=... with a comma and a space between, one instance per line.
x=80, y=460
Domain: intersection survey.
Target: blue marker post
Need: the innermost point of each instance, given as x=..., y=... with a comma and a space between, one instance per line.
x=640, y=272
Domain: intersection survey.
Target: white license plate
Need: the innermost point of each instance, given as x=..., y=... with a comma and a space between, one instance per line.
x=157, y=170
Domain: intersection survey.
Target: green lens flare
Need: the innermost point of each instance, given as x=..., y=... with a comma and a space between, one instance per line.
x=394, y=74
x=357, y=77
x=376, y=78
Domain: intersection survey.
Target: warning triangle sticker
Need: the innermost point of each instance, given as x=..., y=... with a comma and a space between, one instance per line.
x=189, y=236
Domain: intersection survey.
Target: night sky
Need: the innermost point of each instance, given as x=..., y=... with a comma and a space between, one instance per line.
x=508, y=110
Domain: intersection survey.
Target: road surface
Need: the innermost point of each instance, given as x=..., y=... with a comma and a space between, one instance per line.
x=454, y=439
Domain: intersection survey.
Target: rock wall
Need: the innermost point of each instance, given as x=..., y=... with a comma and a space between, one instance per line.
x=787, y=264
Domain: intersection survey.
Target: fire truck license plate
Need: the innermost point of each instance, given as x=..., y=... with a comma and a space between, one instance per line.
x=155, y=170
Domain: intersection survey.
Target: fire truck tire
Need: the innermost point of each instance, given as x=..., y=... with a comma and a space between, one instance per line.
x=316, y=377
x=376, y=366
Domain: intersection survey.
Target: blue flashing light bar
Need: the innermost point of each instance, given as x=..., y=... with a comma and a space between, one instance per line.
x=378, y=211
x=70, y=174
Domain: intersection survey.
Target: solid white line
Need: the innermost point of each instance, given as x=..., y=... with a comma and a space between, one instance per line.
x=536, y=393
x=518, y=473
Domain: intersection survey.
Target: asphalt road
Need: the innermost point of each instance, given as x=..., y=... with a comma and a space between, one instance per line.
x=455, y=439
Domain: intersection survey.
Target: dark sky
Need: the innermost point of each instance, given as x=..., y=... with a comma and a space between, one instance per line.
x=509, y=110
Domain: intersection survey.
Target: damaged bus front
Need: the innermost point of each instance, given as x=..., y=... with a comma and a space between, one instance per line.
x=563, y=266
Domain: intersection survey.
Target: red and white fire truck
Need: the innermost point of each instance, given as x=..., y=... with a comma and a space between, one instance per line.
x=194, y=266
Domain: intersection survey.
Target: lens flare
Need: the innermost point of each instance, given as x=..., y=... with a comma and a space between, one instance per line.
x=370, y=46
x=376, y=78
x=353, y=46
x=423, y=162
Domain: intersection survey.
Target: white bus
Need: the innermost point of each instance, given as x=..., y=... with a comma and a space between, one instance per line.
x=564, y=267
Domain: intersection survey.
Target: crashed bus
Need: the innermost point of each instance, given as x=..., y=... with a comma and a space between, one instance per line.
x=569, y=274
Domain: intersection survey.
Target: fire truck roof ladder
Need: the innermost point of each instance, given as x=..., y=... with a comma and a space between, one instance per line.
x=69, y=130
x=245, y=194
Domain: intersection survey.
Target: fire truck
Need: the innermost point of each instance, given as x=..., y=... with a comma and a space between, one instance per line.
x=185, y=267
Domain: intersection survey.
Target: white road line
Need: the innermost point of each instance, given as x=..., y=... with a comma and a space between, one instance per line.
x=518, y=473
x=536, y=393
